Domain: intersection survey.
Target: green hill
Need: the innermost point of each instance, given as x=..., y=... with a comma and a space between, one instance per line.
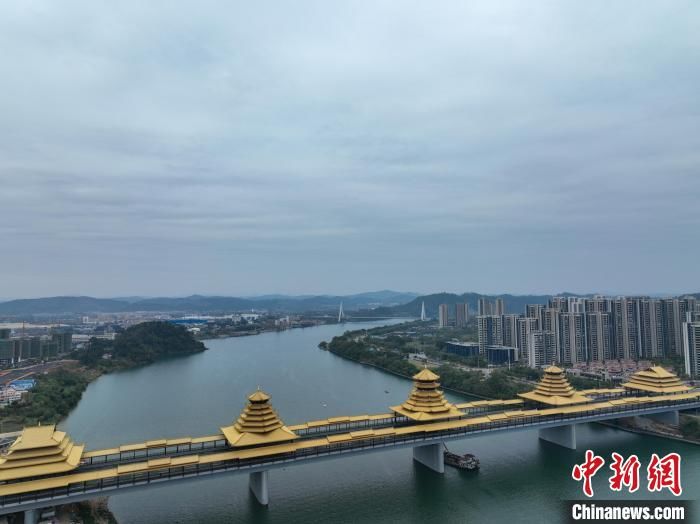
x=141, y=344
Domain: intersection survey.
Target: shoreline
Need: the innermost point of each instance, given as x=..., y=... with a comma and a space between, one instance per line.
x=76, y=375
x=463, y=393
x=385, y=370
x=648, y=433
x=262, y=331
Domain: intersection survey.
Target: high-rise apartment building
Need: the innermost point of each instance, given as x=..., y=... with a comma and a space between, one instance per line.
x=499, y=307
x=651, y=332
x=542, y=349
x=63, y=339
x=461, y=315
x=691, y=346
x=626, y=328
x=674, y=312
x=510, y=330
x=593, y=329
x=443, y=316
x=525, y=327
x=598, y=304
x=550, y=322
x=484, y=307
x=559, y=303
x=576, y=305
x=572, y=338
x=598, y=336
x=534, y=311
x=490, y=330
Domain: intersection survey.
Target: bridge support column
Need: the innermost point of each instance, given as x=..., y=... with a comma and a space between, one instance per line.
x=31, y=516
x=561, y=436
x=669, y=417
x=430, y=456
x=258, y=485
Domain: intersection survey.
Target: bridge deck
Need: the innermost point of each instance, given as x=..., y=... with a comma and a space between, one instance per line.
x=92, y=479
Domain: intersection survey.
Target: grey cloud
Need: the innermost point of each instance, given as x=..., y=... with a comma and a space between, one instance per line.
x=335, y=147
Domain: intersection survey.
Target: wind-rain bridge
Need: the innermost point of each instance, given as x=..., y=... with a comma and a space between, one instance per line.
x=43, y=467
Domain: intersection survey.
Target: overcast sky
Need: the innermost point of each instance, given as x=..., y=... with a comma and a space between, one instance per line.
x=169, y=148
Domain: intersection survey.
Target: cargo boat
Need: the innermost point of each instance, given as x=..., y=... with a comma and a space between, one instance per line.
x=466, y=462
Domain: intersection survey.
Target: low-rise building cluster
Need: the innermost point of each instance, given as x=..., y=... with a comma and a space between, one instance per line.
x=14, y=391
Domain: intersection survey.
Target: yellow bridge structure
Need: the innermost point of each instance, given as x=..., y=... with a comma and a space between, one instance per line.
x=43, y=467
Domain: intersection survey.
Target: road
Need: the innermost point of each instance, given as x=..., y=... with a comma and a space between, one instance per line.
x=9, y=375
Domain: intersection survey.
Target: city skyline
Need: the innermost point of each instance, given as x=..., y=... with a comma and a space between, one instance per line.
x=168, y=149
x=576, y=330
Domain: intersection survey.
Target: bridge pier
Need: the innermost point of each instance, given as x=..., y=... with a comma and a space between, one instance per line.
x=258, y=485
x=668, y=417
x=31, y=516
x=564, y=436
x=431, y=456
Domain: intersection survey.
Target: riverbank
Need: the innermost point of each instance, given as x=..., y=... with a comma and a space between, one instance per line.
x=353, y=346
x=648, y=432
x=56, y=393
x=409, y=377
x=264, y=324
x=250, y=333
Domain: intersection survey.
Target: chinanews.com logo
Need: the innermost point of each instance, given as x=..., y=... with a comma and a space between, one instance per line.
x=660, y=474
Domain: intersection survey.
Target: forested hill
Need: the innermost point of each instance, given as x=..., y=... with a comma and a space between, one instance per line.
x=142, y=344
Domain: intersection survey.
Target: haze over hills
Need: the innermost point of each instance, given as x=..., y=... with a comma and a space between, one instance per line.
x=374, y=303
x=202, y=304
x=512, y=303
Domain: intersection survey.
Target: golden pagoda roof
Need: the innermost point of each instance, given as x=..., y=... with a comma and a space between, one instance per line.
x=426, y=401
x=259, y=396
x=554, y=390
x=258, y=424
x=656, y=380
x=426, y=375
x=40, y=450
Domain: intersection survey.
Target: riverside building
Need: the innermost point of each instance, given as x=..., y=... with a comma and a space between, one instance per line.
x=461, y=315
x=573, y=330
x=443, y=316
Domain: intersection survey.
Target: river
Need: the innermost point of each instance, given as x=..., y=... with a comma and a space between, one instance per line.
x=522, y=479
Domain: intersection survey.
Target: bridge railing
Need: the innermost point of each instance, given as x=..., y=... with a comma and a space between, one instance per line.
x=147, y=477
x=341, y=427
x=124, y=457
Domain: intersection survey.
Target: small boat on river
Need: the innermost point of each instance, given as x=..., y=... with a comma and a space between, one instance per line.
x=467, y=462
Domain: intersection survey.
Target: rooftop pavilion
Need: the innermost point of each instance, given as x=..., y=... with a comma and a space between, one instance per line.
x=554, y=390
x=258, y=424
x=426, y=401
x=40, y=450
x=656, y=380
